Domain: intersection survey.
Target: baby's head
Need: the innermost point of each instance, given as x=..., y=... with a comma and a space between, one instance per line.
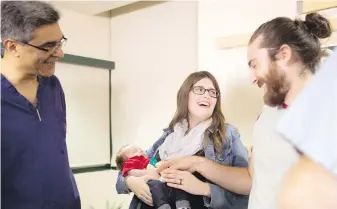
x=127, y=152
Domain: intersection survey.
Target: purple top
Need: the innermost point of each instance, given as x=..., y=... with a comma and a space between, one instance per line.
x=35, y=171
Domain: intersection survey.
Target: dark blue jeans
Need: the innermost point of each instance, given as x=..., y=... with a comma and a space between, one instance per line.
x=161, y=194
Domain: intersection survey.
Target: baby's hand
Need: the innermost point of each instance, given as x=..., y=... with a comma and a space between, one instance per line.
x=153, y=173
x=162, y=165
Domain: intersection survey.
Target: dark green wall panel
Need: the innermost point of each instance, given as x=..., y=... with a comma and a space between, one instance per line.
x=87, y=61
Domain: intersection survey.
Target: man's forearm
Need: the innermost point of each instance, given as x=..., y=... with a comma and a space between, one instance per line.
x=234, y=179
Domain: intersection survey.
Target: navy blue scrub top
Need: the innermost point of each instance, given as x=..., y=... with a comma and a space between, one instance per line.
x=35, y=171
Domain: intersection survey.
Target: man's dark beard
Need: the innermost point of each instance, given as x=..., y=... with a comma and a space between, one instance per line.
x=276, y=87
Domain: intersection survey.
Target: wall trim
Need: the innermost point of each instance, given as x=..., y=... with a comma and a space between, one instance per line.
x=95, y=168
x=309, y=6
x=87, y=61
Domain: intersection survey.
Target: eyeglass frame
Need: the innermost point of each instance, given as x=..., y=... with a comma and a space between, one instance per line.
x=53, y=49
x=204, y=91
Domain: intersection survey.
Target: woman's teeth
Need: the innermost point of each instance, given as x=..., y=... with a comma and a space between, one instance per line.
x=203, y=104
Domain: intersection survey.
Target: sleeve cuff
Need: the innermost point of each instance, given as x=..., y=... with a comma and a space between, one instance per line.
x=127, y=190
x=217, y=199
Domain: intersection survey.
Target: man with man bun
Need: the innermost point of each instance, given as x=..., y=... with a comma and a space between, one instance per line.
x=283, y=55
x=310, y=125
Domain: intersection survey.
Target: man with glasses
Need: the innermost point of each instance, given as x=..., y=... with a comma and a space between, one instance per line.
x=35, y=171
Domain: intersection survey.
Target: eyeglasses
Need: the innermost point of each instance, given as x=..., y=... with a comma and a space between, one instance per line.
x=201, y=90
x=49, y=49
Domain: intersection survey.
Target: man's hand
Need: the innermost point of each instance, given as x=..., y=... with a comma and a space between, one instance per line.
x=185, y=163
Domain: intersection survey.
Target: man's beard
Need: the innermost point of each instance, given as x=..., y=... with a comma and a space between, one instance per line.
x=276, y=87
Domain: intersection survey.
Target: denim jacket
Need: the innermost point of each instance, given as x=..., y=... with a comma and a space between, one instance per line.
x=233, y=154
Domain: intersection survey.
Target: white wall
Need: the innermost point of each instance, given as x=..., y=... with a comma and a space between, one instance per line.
x=86, y=88
x=97, y=190
x=217, y=18
x=86, y=91
x=88, y=35
x=155, y=48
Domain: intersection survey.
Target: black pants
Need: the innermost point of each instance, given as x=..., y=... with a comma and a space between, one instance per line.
x=163, y=194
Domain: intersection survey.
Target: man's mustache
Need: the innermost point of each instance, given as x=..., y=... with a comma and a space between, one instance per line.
x=48, y=59
x=260, y=83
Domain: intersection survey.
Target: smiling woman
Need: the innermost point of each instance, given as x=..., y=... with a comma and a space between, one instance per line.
x=197, y=131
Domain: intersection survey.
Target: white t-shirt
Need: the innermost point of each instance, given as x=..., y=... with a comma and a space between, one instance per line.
x=273, y=157
x=310, y=124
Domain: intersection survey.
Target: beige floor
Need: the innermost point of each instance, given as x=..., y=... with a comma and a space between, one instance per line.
x=97, y=190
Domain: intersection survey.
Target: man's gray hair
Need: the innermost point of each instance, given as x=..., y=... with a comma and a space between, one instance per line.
x=20, y=18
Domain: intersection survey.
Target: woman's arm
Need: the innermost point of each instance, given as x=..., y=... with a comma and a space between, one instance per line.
x=222, y=198
x=238, y=183
x=121, y=185
x=235, y=178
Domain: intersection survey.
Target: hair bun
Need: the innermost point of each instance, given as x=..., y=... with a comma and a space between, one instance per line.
x=318, y=25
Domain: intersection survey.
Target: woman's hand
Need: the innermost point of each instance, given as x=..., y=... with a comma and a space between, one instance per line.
x=138, y=185
x=186, y=181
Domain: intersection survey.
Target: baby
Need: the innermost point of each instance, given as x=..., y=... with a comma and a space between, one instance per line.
x=133, y=161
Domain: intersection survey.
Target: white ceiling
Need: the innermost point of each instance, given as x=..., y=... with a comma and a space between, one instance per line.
x=90, y=7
